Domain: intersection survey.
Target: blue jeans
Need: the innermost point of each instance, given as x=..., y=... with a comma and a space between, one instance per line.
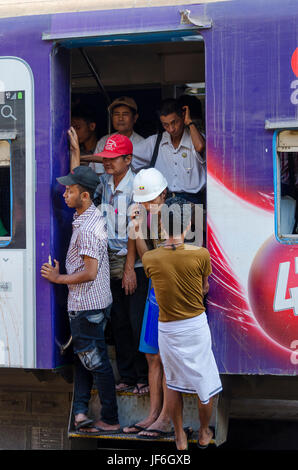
x=92, y=363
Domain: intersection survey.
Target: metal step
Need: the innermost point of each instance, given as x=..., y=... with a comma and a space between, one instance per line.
x=133, y=408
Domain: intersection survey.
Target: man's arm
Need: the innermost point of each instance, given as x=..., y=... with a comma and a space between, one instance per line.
x=137, y=226
x=75, y=158
x=89, y=273
x=205, y=285
x=129, y=280
x=142, y=152
x=91, y=158
x=197, y=139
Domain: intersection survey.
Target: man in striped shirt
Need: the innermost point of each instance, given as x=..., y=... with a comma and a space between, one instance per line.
x=89, y=298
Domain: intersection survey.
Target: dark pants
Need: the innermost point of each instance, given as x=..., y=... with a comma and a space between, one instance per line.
x=195, y=198
x=92, y=364
x=126, y=321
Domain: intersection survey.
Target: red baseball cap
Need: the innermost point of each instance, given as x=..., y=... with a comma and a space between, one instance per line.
x=116, y=146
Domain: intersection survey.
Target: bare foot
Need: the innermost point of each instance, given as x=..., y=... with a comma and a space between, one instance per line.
x=101, y=426
x=141, y=389
x=205, y=437
x=142, y=425
x=152, y=430
x=181, y=441
x=81, y=419
x=123, y=387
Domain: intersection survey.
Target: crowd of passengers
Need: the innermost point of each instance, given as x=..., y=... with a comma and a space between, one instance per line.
x=146, y=172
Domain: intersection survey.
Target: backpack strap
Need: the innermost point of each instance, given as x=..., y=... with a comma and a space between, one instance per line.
x=155, y=151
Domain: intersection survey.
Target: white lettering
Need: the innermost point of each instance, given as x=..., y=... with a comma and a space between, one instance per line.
x=294, y=354
x=280, y=301
x=294, y=95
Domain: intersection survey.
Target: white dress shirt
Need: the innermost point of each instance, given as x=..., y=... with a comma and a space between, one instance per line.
x=183, y=167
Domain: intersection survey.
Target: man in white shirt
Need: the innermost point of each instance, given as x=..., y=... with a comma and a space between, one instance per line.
x=180, y=153
x=124, y=115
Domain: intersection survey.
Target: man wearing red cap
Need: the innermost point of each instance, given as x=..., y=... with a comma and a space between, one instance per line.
x=128, y=281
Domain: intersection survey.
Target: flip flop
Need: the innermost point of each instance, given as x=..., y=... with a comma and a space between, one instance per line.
x=82, y=424
x=125, y=388
x=159, y=432
x=140, y=388
x=188, y=431
x=200, y=446
x=135, y=426
x=101, y=431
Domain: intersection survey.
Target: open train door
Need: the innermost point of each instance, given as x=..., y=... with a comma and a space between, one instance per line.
x=113, y=29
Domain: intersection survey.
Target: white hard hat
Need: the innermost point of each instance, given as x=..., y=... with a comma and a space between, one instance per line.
x=148, y=184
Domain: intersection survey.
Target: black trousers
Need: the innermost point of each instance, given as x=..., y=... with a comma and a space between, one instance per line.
x=126, y=321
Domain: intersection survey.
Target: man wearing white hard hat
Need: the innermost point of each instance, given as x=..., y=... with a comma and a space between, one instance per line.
x=149, y=192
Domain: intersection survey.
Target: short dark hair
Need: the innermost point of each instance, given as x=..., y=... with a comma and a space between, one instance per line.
x=87, y=113
x=176, y=216
x=133, y=111
x=83, y=189
x=169, y=106
x=194, y=104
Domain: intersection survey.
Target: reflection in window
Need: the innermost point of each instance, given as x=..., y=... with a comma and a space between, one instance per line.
x=5, y=191
x=287, y=152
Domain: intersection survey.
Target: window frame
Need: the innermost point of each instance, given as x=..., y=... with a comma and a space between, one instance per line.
x=288, y=238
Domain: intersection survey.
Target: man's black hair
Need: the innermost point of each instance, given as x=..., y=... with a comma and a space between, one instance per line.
x=176, y=216
x=90, y=191
x=170, y=106
x=134, y=112
x=87, y=113
x=194, y=104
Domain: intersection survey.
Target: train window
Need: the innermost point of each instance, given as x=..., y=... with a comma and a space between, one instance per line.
x=5, y=191
x=287, y=183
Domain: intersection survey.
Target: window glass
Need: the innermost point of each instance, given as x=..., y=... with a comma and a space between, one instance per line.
x=287, y=183
x=5, y=190
x=12, y=170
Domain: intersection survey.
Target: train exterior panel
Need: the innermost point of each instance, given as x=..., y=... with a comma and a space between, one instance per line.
x=250, y=73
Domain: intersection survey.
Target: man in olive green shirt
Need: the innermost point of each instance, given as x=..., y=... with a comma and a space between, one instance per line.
x=179, y=275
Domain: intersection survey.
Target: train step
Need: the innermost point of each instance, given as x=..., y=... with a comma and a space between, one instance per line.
x=133, y=408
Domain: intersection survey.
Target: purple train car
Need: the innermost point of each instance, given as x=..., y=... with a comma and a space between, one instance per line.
x=240, y=60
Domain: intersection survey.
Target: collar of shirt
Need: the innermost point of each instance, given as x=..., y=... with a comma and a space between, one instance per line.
x=184, y=142
x=124, y=183
x=79, y=219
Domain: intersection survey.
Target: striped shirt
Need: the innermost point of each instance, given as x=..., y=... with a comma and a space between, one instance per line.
x=89, y=238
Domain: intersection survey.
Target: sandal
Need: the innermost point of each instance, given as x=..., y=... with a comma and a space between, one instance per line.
x=133, y=426
x=123, y=387
x=141, y=389
x=85, y=423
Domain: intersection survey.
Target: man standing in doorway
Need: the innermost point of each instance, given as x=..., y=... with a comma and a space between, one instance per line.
x=89, y=299
x=129, y=284
x=150, y=191
x=179, y=153
x=124, y=114
x=179, y=274
x=83, y=136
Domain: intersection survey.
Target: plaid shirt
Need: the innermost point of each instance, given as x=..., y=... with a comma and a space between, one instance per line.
x=89, y=237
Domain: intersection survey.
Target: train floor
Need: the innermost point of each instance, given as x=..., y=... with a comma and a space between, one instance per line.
x=243, y=435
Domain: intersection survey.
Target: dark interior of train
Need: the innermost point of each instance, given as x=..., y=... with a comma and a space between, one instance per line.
x=4, y=190
x=146, y=72
x=287, y=186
